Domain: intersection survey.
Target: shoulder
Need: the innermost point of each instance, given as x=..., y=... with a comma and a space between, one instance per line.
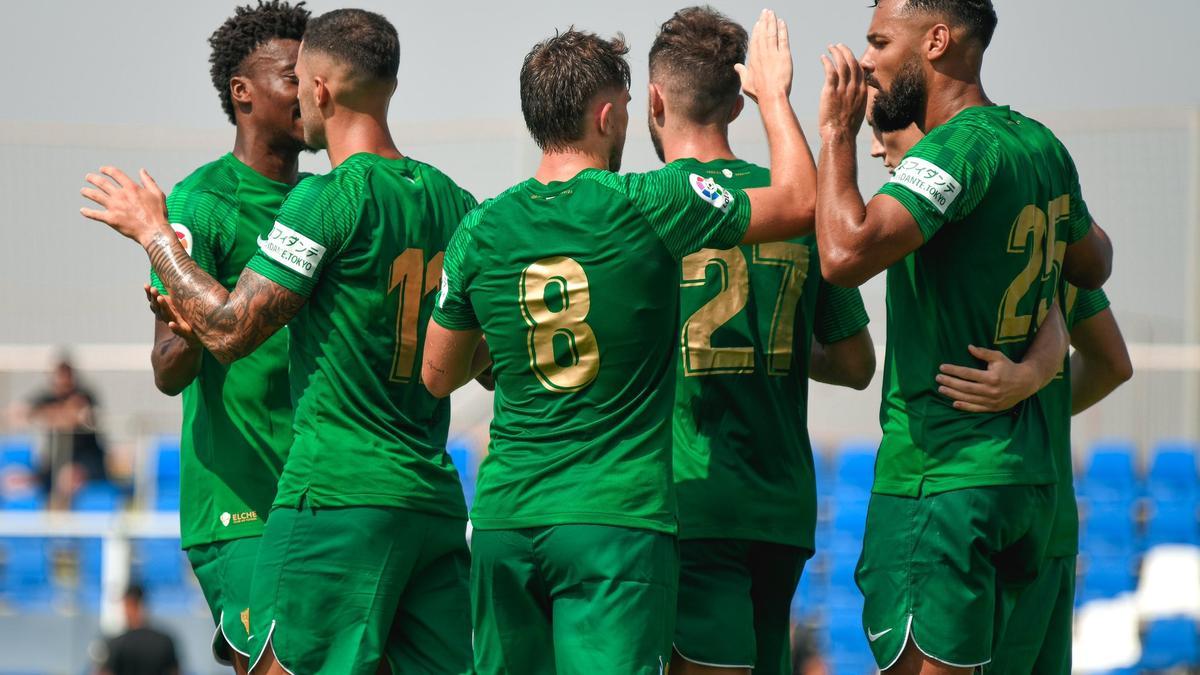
x=210, y=187
x=319, y=193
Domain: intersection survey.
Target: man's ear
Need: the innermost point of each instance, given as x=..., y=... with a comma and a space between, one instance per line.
x=239, y=90
x=738, y=106
x=937, y=41
x=604, y=119
x=321, y=93
x=657, y=105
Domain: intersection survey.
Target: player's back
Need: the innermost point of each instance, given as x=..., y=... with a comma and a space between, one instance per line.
x=743, y=462
x=995, y=194
x=573, y=285
x=368, y=240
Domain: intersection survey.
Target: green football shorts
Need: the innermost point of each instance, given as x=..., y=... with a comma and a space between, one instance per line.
x=1037, y=637
x=224, y=570
x=945, y=569
x=338, y=589
x=735, y=600
x=573, y=600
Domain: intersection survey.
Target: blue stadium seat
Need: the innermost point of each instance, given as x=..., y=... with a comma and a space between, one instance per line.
x=25, y=581
x=848, y=650
x=1171, y=643
x=166, y=498
x=855, y=471
x=89, y=554
x=16, y=451
x=1173, y=476
x=850, y=518
x=97, y=496
x=1108, y=528
x=159, y=565
x=1173, y=523
x=26, y=500
x=166, y=466
x=463, y=456
x=1106, y=577
x=1110, y=476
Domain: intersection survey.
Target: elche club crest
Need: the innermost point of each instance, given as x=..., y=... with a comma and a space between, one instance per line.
x=710, y=192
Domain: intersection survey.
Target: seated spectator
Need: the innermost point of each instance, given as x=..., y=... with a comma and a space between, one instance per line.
x=73, y=454
x=140, y=650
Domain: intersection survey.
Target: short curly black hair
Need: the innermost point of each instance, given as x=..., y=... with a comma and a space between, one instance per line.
x=245, y=31
x=978, y=17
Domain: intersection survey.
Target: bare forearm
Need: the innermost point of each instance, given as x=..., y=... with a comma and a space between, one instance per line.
x=175, y=362
x=841, y=211
x=792, y=166
x=845, y=363
x=1091, y=382
x=1101, y=360
x=1048, y=349
x=230, y=325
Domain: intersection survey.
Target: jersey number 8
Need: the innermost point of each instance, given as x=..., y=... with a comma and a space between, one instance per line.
x=562, y=325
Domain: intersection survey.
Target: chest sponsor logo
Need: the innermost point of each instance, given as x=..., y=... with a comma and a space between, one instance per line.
x=292, y=249
x=185, y=236
x=710, y=192
x=928, y=180
x=242, y=518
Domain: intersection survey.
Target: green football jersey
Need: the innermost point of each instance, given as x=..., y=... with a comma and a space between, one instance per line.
x=1079, y=305
x=743, y=461
x=997, y=198
x=237, y=419
x=365, y=243
x=574, y=286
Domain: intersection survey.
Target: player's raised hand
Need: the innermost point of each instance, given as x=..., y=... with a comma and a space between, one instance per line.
x=844, y=96
x=135, y=210
x=1002, y=385
x=768, y=68
x=164, y=308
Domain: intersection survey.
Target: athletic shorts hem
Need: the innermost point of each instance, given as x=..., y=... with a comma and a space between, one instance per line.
x=899, y=652
x=685, y=657
x=269, y=644
x=219, y=634
x=940, y=659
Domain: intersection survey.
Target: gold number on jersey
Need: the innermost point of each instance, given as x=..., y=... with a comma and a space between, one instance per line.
x=555, y=302
x=700, y=357
x=793, y=260
x=699, y=354
x=415, y=279
x=1033, y=223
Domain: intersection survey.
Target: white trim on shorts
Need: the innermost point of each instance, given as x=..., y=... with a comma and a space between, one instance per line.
x=224, y=636
x=212, y=646
x=708, y=665
x=268, y=643
x=908, y=635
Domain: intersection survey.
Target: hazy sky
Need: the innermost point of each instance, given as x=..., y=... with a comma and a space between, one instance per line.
x=144, y=62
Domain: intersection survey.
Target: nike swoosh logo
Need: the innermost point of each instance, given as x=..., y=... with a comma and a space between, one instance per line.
x=875, y=636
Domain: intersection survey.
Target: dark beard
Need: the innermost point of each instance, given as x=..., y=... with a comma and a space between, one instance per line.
x=614, y=156
x=656, y=140
x=904, y=103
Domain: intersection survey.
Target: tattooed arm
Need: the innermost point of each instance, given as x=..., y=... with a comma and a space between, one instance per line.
x=230, y=324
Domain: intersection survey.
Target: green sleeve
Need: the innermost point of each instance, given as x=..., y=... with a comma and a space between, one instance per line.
x=1079, y=219
x=310, y=231
x=840, y=313
x=204, y=223
x=454, y=310
x=1087, y=304
x=689, y=212
x=945, y=175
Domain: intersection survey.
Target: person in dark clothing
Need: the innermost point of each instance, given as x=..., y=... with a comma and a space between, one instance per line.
x=73, y=453
x=140, y=650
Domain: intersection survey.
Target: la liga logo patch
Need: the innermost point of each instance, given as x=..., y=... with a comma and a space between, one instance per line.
x=185, y=237
x=710, y=192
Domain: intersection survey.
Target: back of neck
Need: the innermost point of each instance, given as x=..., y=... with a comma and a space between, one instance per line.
x=701, y=143
x=952, y=99
x=561, y=165
x=355, y=133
